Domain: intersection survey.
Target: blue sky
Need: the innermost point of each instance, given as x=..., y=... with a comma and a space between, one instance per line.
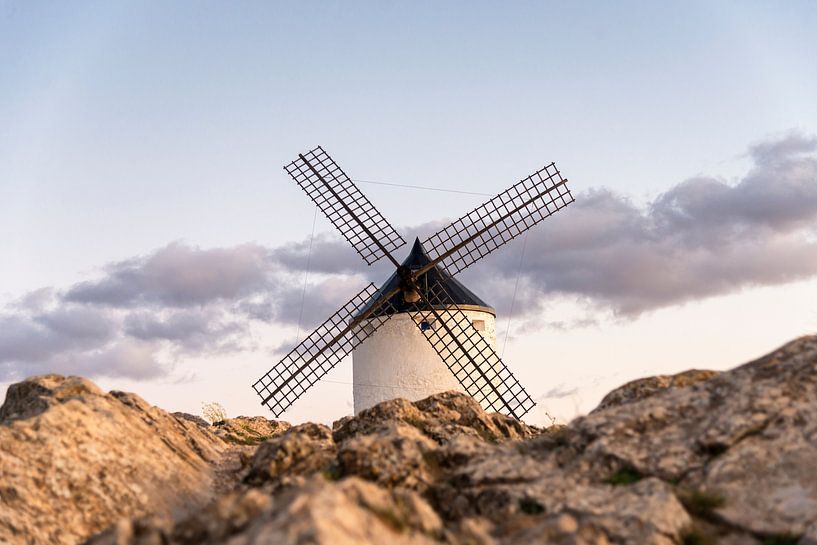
x=127, y=126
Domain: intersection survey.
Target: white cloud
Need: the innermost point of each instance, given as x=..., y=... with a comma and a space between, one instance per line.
x=702, y=238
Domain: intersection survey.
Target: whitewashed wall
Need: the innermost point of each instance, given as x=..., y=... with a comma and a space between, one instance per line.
x=397, y=361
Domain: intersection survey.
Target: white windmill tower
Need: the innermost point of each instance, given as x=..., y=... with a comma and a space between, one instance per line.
x=455, y=347
x=414, y=370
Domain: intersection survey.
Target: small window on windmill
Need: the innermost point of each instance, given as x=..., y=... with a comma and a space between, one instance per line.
x=425, y=323
x=479, y=325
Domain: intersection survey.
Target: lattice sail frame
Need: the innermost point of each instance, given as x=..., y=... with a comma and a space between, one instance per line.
x=461, y=347
x=469, y=357
x=318, y=353
x=505, y=216
x=340, y=200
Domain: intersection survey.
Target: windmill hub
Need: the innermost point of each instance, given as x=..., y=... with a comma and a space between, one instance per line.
x=425, y=332
x=408, y=285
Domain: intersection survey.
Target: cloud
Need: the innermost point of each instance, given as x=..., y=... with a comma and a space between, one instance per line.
x=72, y=340
x=326, y=254
x=560, y=391
x=179, y=276
x=331, y=255
x=127, y=358
x=701, y=238
x=41, y=335
x=190, y=331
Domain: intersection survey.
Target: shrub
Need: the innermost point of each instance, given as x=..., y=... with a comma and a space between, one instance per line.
x=695, y=537
x=625, y=475
x=702, y=504
x=213, y=412
x=530, y=506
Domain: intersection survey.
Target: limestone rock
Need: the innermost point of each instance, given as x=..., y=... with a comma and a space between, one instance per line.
x=738, y=448
x=747, y=437
x=249, y=430
x=74, y=459
x=518, y=493
x=693, y=458
x=298, y=452
x=810, y=536
x=351, y=512
x=646, y=387
x=36, y=395
x=440, y=417
x=397, y=455
x=562, y=529
x=195, y=419
x=398, y=443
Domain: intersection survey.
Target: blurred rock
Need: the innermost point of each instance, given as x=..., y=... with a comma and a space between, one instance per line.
x=645, y=387
x=74, y=459
x=249, y=430
x=440, y=417
x=299, y=452
x=195, y=419
x=351, y=512
x=698, y=457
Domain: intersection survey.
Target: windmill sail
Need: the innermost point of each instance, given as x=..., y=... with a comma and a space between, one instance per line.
x=417, y=287
x=467, y=354
x=344, y=205
x=499, y=220
x=318, y=353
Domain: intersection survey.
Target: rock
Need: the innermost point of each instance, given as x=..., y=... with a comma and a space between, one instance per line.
x=398, y=443
x=249, y=430
x=35, y=396
x=440, y=417
x=300, y=451
x=563, y=529
x=810, y=536
x=195, y=419
x=693, y=458
x=738, y=448
x=761, y=442
x=473, y=531
x=351, y=512
x=74, y=459
x=525, y=497
x=646, y=387
x=242, y=430
x=396, y=455
x=746, y=437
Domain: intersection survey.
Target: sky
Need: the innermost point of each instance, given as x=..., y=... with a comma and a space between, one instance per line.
x=150, y=239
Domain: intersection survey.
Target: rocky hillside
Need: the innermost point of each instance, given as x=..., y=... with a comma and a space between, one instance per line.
x=696, y=458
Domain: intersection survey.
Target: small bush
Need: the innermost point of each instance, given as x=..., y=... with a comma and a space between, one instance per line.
x=530, y=506
x=715, y=449
x=213, y=412
x=694, y=537
x=701, y=503
x=392, y=519
x=624, y=476
x=332, y=472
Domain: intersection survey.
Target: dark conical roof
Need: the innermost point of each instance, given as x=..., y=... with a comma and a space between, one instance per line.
x=460, y=295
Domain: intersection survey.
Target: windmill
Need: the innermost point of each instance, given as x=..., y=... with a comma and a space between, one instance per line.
x=422, y=292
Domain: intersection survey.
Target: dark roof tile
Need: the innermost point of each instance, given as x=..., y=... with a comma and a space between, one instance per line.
x=460, y=295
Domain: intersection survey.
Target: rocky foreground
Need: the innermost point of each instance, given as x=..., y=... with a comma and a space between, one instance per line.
x=696, y=458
